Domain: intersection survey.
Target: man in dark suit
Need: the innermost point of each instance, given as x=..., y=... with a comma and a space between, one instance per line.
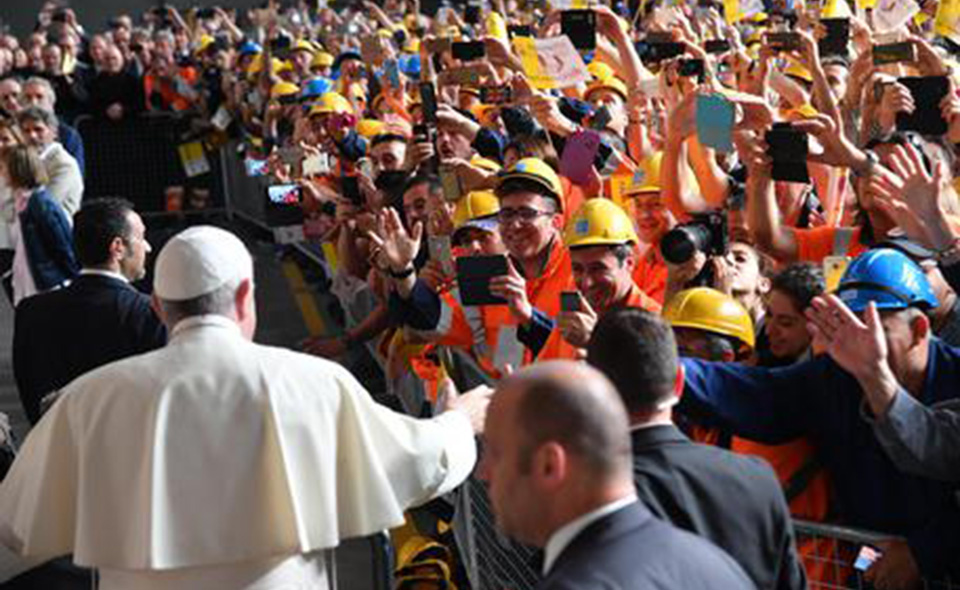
x=557, y=461
x=96, y=320
x=733, y=500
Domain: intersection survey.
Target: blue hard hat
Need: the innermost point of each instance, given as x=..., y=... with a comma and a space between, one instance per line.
x=250, y=48
x=888, y=278
x=410, y=65
x=316, y=87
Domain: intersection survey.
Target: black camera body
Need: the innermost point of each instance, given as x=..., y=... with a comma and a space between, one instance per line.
x=707, y=233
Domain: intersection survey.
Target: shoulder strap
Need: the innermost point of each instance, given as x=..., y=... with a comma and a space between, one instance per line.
x=801, y=478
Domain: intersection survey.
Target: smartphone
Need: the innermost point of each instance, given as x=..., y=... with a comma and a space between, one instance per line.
x=715, y=119
x=784, y=41
x=316, y=165
x=452, y=192
x=581, y=27
x=894, y=53
x=255, y=167
x=659, y=37
x=927, y=92
x=788, y=148
x=836, y=39
x=473, y=278
x=866, y=557
x=497, y=95
x=657, y=52
x=833, y=269
x=441, y=251
x=350, y=187
x=468, y=50
x=690, y=68
x=284, y=194
x=428, y=98
x=570, y=301
x=579, y=152
x=282, y=208
x=439, y=44
x=421, y=133
x=716, y=46
x=520, y=31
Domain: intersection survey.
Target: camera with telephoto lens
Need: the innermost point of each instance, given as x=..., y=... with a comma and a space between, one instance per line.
x=707, y=233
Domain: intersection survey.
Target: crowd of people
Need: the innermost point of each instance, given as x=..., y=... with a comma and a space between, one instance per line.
x=705, y=253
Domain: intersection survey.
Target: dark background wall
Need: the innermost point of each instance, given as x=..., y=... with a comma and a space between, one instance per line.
x=21, y=15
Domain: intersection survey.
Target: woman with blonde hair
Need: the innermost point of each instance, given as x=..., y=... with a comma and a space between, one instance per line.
x=9, y=136
x=43, y=245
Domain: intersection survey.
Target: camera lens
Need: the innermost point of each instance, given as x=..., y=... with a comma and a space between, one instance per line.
x=679, y=244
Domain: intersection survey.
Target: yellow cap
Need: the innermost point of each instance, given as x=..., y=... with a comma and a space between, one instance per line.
x=612, y=83
x=331, y=102
x=321, y=59
x=600, y=70
x=284, y=89
x=205, y=42
x=710, y=310
x=303, y=45
x=539, y=172
x=485, y=163
x=646, y=177
x=476, y=205
x=599, y=222
x=369, y=127
x=796, y=70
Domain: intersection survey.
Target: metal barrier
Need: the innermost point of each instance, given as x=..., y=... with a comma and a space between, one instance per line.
x=830, y=551
x=140, y=158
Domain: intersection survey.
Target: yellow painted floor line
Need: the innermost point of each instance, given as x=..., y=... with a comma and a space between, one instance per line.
x=305, y=299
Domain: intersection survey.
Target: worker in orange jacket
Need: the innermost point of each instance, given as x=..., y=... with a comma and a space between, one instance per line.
x=602, y=244
x=538, y=268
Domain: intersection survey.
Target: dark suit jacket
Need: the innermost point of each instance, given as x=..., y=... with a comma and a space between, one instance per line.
x=632, y=550
x=60, y=335
x=733, y=500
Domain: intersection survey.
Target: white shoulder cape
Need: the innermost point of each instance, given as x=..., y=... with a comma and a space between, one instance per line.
x=216, y=450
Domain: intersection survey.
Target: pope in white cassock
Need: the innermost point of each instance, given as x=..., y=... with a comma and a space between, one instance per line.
x=216, y=462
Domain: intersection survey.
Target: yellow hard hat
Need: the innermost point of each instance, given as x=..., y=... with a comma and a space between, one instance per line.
x=795, y=70
x=484, y=163
x=331, y=102
x=600, y=70
x=539, y=172
x=321, y=59
x=710, y=310
x=599, y=222
x=646, y=178
x=477, y=209
x=612, y=83
x=205, y=42
x=284, y=66
x=302, y=45
x=369, y=127
x=284, y=89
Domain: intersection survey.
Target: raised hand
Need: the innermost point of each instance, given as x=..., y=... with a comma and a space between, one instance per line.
x=397, y=247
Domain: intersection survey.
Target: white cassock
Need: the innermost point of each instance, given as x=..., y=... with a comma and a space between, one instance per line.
x=216, y=457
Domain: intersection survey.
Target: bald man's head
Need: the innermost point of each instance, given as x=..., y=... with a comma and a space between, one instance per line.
x=574, y=405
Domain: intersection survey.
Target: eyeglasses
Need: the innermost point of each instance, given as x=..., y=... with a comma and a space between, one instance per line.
x=522, y=214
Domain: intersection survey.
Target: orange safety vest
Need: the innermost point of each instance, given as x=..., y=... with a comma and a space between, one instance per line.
x=651, y=273
x=558, y=348
x=490, y=331
x=807, y=488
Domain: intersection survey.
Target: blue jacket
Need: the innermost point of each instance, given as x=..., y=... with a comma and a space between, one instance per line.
x=822, y=401
x=73, y=143
x=48, y=240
